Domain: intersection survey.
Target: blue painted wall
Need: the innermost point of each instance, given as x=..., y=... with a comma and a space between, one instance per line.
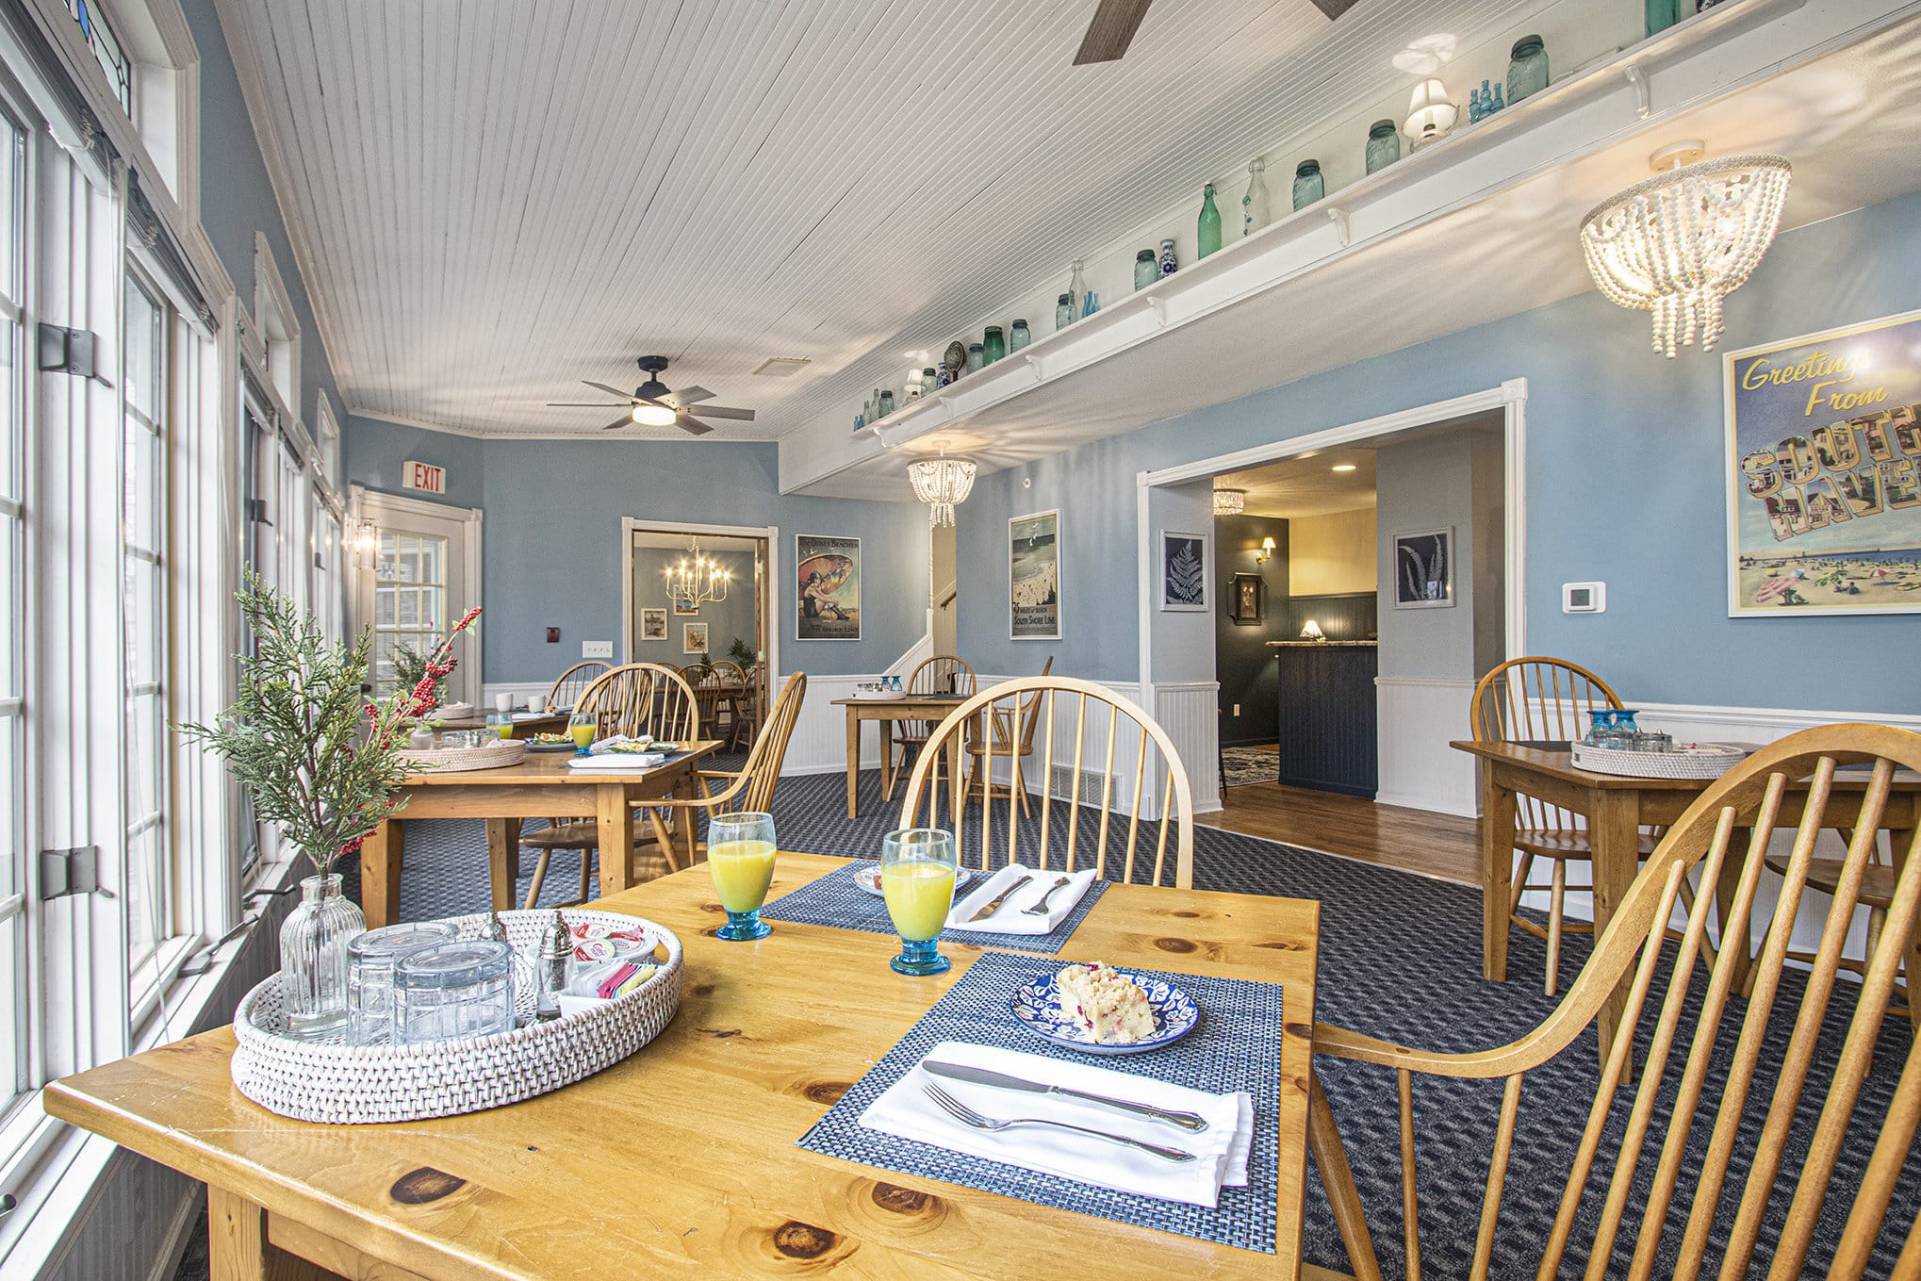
x=1625, y=482
x=551, y=545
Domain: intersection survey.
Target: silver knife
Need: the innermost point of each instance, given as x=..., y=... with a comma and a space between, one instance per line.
x=1000, y=898
x=1189, y=1121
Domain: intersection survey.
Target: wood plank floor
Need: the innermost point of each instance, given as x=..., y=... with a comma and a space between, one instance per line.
x=1440, y=845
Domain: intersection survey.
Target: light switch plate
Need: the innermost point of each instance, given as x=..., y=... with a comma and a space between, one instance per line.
x=1584, y=598
x=596, y=649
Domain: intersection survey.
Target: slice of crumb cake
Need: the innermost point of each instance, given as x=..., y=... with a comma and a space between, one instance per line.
x=1106, y=1004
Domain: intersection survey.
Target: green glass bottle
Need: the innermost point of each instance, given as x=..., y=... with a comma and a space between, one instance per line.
x=1661, y=14
x=1208, y=233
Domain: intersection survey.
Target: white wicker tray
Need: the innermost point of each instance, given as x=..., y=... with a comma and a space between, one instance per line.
x=487, y=756
x=364, y=1084
x=1687, y=760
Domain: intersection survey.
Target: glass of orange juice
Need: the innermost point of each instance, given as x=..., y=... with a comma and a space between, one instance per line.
x=582, y=726
x=917, y=868
x=740, y=858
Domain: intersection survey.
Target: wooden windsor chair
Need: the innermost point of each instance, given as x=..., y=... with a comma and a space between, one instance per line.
x=1012, y=734
x=941, y=674
x=635, y=698
x=1714, y=1096
x=572, y=683
x=1539, y=699
x=734, y=693
x=749, y=788
x=1876, y=896
x=1095, y=751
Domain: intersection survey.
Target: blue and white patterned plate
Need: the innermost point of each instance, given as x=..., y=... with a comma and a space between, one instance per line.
x=867, y=876
x=1037, y=1008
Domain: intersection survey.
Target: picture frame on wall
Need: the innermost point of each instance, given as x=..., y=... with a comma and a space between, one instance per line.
x=653, y=624
x=1034, y=576
x=686, y=608
x=1821, y=475
x=826, y=587
x=1248, y=600
x=693, y=638
x=1424, y=569
x=1185, y=571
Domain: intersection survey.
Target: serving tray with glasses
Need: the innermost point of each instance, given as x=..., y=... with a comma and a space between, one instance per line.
x=332, y=1080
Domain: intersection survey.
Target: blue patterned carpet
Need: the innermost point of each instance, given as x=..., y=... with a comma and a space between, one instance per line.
x=1400, y=958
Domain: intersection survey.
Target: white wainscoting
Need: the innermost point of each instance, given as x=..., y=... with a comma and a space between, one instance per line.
x=1415, y=719
x=1190, y=713
x=819, y=744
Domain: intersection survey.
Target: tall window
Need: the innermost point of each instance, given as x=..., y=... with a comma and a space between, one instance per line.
x=150, y=913
x=108, y=49
x=13, y=630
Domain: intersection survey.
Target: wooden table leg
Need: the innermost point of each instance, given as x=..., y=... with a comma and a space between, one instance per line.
x=1497, y=871
x=614, y=834
x=1614, y=834
x=380, y=874
x=853, y=764
x=885, y=728
x=503, y=860
x=237, y=1245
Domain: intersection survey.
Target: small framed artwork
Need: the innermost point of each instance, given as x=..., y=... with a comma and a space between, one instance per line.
x=1424, y=569
x=1183, y=572
x=693, y=638
x=1034, y=576
x=1248, y=602
x=653, y=624
x=686, y=608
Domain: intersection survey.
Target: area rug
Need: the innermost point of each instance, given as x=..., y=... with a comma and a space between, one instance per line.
x=1243, y=765
x=1400, y=958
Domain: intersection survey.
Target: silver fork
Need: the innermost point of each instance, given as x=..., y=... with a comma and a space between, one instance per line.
x=1040, y=908
x=968, y=1116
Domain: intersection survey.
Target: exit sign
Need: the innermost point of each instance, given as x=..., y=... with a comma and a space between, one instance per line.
x=425, y=477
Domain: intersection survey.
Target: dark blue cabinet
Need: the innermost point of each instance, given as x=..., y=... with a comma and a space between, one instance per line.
x=1327, y=734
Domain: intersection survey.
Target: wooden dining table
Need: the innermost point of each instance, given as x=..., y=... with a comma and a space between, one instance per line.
x=681, y=1161
x=886, y=713
x=539, y=785
x=1616, y=808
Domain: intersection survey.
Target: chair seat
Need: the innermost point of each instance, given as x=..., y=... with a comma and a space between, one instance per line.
x=1550, y=842
x=562, y=836
x=1824, y=874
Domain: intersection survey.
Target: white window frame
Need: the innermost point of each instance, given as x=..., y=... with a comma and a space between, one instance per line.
x=276, y=325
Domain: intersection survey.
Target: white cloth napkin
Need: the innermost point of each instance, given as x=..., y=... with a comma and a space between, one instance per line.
x=1012, y=917
x=905, y=1111
x=616, y=762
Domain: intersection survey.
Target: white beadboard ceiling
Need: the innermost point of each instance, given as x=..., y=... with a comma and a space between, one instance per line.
x=493, y=199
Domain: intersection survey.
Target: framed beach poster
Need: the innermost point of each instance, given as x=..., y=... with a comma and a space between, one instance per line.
x=1034, y=576
x=1824, y=472
x=653, y=624
x=693, y=638
x=1424, y=569
x=827, y=587
x=1184, y=572
x=684, y=608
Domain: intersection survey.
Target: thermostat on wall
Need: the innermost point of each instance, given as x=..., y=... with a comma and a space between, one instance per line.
x=1584, y=598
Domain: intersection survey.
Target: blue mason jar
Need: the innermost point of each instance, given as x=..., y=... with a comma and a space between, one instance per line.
x=1309, y=186
x=1383, y=145
x=1527, y=68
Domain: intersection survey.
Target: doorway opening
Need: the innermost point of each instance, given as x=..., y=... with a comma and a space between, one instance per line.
x=945, y=601
x=423, y=574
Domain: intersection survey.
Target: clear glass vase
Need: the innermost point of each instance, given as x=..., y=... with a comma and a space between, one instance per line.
x=313, y=957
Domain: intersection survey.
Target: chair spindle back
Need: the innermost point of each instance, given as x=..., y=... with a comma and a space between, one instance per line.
x=643, y=698
x=1536, y=699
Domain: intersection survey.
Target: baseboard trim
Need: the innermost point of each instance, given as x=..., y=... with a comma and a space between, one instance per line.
x=1433, y=804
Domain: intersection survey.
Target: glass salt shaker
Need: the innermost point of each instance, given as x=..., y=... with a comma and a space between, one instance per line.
x=556, y=949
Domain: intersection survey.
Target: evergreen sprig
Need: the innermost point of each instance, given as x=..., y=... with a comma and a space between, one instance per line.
x=318, y=761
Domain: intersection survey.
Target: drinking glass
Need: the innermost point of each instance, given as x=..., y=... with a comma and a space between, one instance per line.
x=451, y=991
x=582, y=726
x=370, y=975
x=917, y=867
x=740, y=858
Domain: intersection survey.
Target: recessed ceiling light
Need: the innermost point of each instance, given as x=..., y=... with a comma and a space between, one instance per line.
x=1344, y=468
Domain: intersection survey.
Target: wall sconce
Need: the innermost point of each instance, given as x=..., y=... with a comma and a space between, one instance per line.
x=1267, y=551
x=364, y=542
x=1311, y=630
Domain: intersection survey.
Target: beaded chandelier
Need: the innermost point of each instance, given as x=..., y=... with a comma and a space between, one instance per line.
x=942, y=483
x=1230, y=502
x=1680, y=242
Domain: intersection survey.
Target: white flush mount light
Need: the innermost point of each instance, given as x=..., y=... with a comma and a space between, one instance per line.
x=1679, y=243
x=648, y=414
x=942, y=483
x=1430, y=113
x=1230, y=502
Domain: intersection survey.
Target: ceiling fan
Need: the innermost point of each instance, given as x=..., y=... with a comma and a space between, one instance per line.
x=652, y=405
x=1115, y=22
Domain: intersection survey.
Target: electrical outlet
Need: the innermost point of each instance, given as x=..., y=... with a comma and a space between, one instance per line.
x=1237, y=709
x=596, y=649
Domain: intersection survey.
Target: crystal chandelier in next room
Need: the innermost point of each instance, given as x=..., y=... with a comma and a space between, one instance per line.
x=1682, y=241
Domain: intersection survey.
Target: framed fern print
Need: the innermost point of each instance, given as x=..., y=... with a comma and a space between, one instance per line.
x=1184, y=572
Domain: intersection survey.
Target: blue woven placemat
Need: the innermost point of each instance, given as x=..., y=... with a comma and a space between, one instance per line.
x=834, y=899
x=1236, y=1047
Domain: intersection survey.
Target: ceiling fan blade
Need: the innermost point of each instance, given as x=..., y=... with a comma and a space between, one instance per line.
x=580, y=404
x=611, y=391
x=692, y=426
x=1111, y=30
x=723, y=411
x=1333, y=8
x=693, y=395
x=625, y=420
